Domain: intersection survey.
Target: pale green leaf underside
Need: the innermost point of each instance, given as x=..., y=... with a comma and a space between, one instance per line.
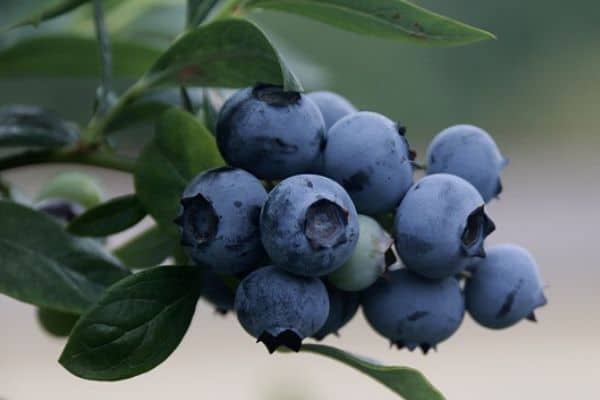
x=389, y=19
x=407, y=382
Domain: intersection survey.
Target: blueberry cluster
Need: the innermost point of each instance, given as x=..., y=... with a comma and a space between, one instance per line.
x=307, y=253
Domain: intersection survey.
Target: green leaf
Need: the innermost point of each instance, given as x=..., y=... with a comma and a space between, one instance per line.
x=407, y=382
x=42, y=265
x=111, y=217
x=181, y=148
x=56, y=323
x=150, y=248
x=73, y=57
x=389, y=19
x=135, y=326
x=225, y=53
x=50, y=10
x=31, y=126
x=198, y=10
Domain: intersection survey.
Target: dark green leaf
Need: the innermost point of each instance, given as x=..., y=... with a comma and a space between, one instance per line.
x=150, y=248
x=50, y=9
x=31, y=126
x=389, y=19
x=111, y=217
x=56, y=323
x=73, y=57
x=182, y=147
x=135, y=326
x=213, y=100
x=225, y=53
x=198, y=10
x=43, y=265
x=407, y=382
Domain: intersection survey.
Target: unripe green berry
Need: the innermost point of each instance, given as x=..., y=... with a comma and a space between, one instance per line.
x=368, y=261
x=74, y=186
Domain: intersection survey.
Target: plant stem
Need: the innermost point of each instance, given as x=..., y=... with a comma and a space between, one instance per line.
x=229, y=8
x=197, y=11
x=98, y=125
x=186, y=101
x=105, y=56
x=74, y=156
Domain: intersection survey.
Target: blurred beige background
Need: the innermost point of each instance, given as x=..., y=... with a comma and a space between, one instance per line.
x=535, y=89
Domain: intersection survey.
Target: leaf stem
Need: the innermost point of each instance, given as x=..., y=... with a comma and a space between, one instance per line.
x=197, y=11
x=74, y=156
x=99, y=124
x=186, y=101
x=105, y=89
x=229, y=8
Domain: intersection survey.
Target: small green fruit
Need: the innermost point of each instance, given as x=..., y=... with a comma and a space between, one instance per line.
x=74, y=186
x=368, y=261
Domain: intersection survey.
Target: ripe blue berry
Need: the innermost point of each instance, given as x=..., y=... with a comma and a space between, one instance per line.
x=368, y=156
x=412, y=311
x=471, y=153
x=440, y=226
x=368, y=261
x=219, y=217
x=269, y=132
x=333, y=106
x=281, y=309
x=342, y=308
x=309, y=225
x=505, y=287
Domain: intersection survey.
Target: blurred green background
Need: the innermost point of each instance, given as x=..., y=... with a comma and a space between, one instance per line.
x=535, y=89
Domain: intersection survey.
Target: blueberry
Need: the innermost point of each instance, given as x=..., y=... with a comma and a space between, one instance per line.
x=412, y=311
x=333, y=107
x=219, y=218
x=216, y=290
x=369, y=259
x=505, y=288
x=440, y=226
x=269, y=132
x=471, y=153
x=281, y=309
x=309, y=225
x=368, y=156
x=61, y=209
x=342, y=308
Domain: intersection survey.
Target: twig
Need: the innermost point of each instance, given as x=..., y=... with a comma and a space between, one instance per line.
x=98, y=159
x=106, y=58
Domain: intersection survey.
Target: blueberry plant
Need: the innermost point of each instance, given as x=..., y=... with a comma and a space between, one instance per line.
x=289, y=210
